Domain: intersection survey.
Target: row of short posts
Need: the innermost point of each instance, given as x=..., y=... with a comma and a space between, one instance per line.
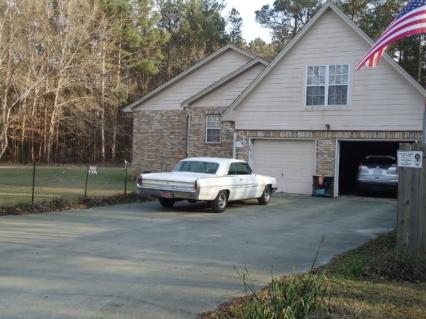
x=91, y=170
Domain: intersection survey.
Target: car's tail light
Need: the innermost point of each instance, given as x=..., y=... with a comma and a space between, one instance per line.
x=363, y=169
x=139, y=181
x=392, y=170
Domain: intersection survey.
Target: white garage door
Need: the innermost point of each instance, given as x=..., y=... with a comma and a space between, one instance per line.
x=291, y=162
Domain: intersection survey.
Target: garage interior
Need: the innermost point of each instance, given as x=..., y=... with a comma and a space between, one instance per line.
x=351, y=155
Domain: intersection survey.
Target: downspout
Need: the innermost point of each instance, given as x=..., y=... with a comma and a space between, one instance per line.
x=234, y=146
x=188, y=125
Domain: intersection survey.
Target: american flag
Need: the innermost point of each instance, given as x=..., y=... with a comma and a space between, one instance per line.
x=412, y=20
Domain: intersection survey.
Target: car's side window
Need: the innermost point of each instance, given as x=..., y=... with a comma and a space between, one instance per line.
x=239, y=169
x=232, y=169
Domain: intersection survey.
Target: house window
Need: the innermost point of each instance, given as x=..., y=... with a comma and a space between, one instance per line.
x=213, y=128
x=327, y=85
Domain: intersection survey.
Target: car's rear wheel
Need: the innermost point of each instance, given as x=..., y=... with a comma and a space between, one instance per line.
x=220, y=203
x=166, y=202
x=266, y=196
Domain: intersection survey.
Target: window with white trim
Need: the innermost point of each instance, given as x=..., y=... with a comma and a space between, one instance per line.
x=213, y=128
x=327, y=85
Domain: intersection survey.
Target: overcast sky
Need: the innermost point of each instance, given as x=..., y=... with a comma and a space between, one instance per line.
x=251, y=29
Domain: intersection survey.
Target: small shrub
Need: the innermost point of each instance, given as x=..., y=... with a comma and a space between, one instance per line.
x=90, y=201
x=354, y=268
x=110, y=200
x=59, y=204
x=296, y=297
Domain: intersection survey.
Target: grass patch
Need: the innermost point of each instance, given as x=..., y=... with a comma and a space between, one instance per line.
x=378, y=260
x=58, y=182
x=373, y=281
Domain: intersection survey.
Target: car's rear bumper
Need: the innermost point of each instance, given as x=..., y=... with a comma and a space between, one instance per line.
x=378, y=185
x=176, y=194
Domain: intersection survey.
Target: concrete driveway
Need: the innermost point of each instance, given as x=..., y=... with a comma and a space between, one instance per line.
x=139, y=261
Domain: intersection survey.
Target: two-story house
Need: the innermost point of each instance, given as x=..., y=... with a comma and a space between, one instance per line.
x=308, y=112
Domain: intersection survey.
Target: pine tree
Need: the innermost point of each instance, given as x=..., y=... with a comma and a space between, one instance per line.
x=287, y=17
x=235, y=24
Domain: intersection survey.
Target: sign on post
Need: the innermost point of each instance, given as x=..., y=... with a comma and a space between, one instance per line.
x=93, y=170
x=411, y=159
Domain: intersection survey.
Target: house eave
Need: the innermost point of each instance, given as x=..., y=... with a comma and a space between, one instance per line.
x=137, y=103
x=223, y=81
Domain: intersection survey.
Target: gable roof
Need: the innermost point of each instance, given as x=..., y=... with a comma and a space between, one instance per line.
x=329, y=5
x=183, y=74
x=224, y=80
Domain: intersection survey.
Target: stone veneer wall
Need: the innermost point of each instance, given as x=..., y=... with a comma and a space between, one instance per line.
x=158, y=137
x=326, y=142
x=197, y=145
x=325, y=157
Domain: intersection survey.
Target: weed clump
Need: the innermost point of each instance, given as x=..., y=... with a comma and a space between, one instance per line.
x=301, y=296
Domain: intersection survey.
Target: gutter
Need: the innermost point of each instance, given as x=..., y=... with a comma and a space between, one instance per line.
x=188, y=126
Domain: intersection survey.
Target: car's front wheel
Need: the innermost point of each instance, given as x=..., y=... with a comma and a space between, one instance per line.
x=166, y=202
x=220, y=203
x=266, y=196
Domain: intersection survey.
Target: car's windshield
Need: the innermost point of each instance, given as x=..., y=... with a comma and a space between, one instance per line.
x=197, y=167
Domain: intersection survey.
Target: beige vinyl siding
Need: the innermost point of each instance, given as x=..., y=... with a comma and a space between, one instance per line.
x=379, y=99
x=227, y=93
x=172, y=97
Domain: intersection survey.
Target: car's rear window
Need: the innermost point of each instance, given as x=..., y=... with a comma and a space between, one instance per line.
x=197, y=167
x=379, y=160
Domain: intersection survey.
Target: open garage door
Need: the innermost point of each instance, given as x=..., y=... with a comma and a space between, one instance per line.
x=351, y=155
x=292, y=163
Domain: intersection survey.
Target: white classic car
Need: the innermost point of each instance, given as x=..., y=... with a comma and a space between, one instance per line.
x=215, y=180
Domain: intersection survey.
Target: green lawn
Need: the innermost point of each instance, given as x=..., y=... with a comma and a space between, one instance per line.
x=58, y=182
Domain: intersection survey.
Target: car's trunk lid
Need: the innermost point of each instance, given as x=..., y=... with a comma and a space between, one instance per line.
x=172, y=180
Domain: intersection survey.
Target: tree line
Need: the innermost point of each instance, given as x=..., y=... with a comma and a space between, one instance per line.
x=68, y=67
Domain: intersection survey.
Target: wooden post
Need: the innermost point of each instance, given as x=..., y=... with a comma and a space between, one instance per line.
x=87, y=180
x=421, y=235
x=125, y=180
x=411, y=229
x=424, y=126
x=33, y=190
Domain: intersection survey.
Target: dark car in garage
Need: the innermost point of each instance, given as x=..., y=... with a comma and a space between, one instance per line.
x=378, y=173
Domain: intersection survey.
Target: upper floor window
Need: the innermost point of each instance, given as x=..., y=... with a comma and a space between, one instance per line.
x=327, y=85
x=213, y=128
